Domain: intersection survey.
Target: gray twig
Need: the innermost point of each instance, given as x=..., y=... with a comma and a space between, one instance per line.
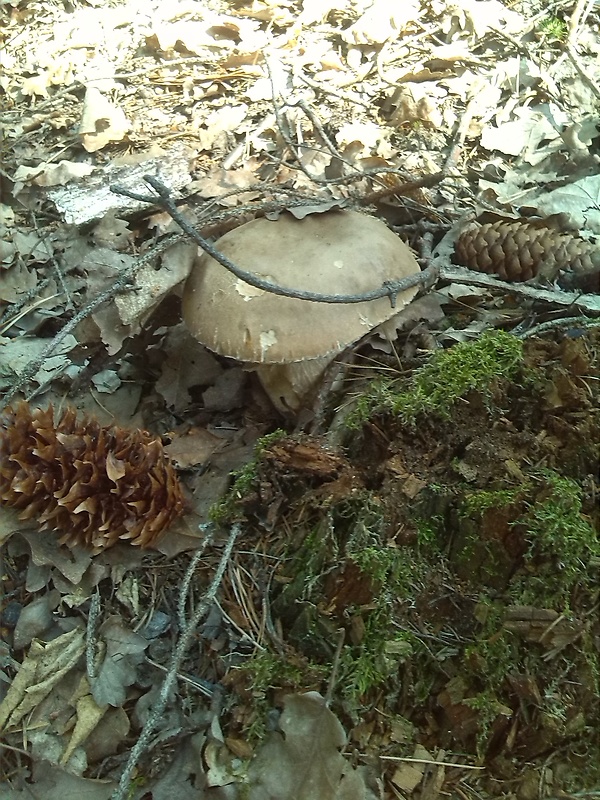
x=388, y=289
x=120, y=283
x=123, y=789
x=91, y=639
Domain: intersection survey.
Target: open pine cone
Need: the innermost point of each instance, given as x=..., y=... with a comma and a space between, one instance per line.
x=93, y=484
x=516, y=250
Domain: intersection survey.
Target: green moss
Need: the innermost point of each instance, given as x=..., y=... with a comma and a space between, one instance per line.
x=445, y=379
x=266, y=671
x=561, y=543
x=558, y=541
x=485, y=549
x=352, y=533
x=496, y=650
x=135, y=785
x=553, y=29
x=377, y=658
x=227, y=509
x=488, y=708
x=475, y=504
x=558, y=531
x=428, y=535
x=393, y=570
x=394, y=573
x=306, y=564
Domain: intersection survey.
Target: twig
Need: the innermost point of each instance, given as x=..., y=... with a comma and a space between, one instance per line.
x=558, y=324
x=17, y=311
x=354, y=175
x=388, y=289
x=43, y=239
x=189, y=574
x=430, y=761
x=184, y=642
x=402, y=188
x=283, y=128
x=204, y=687
x=335, y=666
x=583, y=74
x=582, y=302
x=91, y=639
x=461, y=134
x=119, y=76
x=578, y=18
x=337, y=93
x=120, y=283
x=321, y=130
x=245, y=637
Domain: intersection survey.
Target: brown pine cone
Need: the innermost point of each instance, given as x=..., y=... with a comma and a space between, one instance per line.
x=93, y=484
x=518, y=251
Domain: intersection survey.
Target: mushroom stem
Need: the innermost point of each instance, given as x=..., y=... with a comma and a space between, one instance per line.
x=290, y=386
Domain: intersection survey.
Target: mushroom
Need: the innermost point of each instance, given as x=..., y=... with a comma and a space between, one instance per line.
x=289, y=342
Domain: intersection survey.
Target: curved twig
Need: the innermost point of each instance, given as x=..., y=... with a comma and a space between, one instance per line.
x=388, y=289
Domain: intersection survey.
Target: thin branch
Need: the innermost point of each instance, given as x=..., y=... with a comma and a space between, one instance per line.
x=583, y=73
x=589, y=303
x=185, y=639
x=334, y=667
x=562, y=323
x=189, y=575
x=388, y=289
x=118, y=285
x=91, y=638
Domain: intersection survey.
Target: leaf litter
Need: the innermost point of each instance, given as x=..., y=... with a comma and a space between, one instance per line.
x=457, y=557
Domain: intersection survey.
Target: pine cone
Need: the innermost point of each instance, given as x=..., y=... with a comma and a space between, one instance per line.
x=93, y=484
x=518, y=251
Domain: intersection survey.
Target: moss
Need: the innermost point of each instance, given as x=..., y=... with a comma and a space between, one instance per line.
x=227, y=509
x=496, y=652
x=475, y=504
x=488, y=708
x=296, y=604
x=267, y=671
x=393, y=570
x=553, y=29
x=394, y=573
x=449, y=375
x=561, y=542
x=136, y=785
x=558, y=528
x=373, y=662
x=352, y=534
x=537, y=528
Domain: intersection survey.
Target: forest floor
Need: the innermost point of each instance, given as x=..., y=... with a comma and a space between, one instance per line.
x=391, y=591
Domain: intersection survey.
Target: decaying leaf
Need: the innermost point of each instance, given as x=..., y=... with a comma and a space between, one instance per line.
x=101, y=122
x=124, y=651
x=41, y=670
x=304, y=761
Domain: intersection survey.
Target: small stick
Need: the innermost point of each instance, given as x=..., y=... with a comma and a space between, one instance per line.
x=388, y=289
x=120, y=283
x=124, y=788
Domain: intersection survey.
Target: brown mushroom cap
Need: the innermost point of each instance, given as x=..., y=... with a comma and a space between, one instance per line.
x=338, y=252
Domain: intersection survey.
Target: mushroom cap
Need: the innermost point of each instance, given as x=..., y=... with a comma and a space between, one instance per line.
x=337, y=252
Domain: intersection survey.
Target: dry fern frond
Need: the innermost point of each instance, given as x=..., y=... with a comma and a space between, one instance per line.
x=93, y=484
x=518, y=251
